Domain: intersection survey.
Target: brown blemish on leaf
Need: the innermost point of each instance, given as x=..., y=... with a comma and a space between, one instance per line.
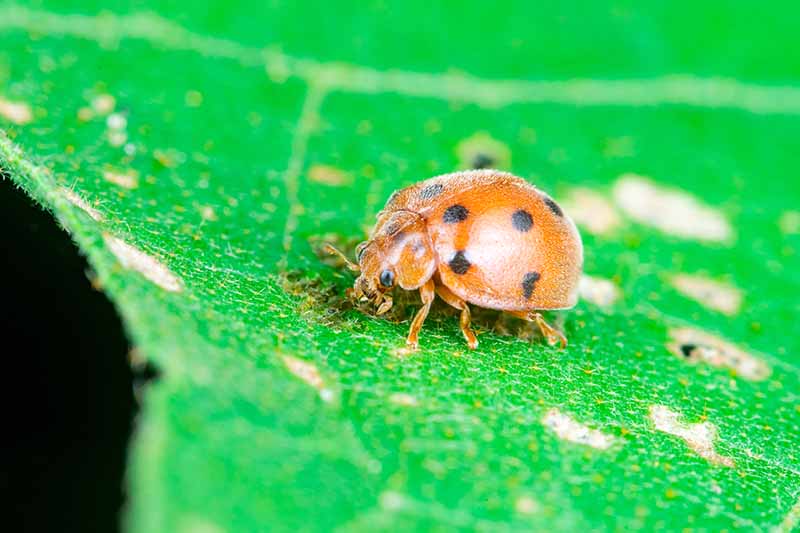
x=82, y=204
x=18, y=113
x=526, y=505
x=592, y=211
x=709, y=293
x=699, y=437
x=208, y=213
x=134, y=259
x=128, y=179
x=401, y=398
x=309, y=373
x=670, y=210
x=571, y=430
x=103, y=104
x=695, y=346
x=599, y=291
x=329, y=175
x=481, y=150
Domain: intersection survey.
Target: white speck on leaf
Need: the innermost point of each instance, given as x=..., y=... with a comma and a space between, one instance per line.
x=401, y=398
x=699, y=437
x=129, y=149
x=695, y=345
x=117, y=134
x=17, y=112
x=599, y=291
x=669, y=210
x=103, y=104
x=134, y=259
x=208, y=213
x=571, y=430
x=80, y=203
x=309, y=373
x=117, y=121
x=329, y=175
x=592, y=211
x=128, y=179
x=117, y=138
x=709, y=293
x=392, y=501
x=526, y=505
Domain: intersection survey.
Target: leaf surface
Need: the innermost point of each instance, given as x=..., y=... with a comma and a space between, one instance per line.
x=199, y=154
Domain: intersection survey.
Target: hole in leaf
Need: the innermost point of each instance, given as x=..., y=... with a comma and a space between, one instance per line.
x=69, y=388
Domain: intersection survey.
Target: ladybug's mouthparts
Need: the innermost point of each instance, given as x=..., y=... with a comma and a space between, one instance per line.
x=364, y=292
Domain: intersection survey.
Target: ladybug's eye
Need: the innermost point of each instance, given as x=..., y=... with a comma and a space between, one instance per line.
x=387, y=278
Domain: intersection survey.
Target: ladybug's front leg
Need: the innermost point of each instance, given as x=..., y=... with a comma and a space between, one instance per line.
x=427, y=293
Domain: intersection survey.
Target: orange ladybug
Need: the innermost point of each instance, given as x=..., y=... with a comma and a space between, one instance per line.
x=482, y=237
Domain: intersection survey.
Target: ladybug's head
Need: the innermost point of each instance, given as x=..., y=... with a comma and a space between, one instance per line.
x=398, y=254
x=375, y=282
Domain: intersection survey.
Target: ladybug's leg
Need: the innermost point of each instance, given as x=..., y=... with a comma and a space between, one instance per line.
x=427, y=294
x=550, y=333
x=446, y=295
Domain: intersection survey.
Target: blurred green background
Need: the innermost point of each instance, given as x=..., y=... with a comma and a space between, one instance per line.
x=198, y=152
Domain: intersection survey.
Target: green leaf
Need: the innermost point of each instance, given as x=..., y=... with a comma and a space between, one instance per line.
x=199, y=152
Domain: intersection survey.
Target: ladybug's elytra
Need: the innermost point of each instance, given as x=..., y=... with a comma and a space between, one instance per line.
x=483, y=237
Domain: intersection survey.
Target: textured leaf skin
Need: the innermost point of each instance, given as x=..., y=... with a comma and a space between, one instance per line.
x=228, y=111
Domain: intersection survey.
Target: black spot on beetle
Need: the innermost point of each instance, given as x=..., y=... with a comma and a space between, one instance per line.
x=455, y=213
x=431, y=191
x=522, y=220
x=482, y=161
x=528, y=282
x=459, y=264
x=553, y=206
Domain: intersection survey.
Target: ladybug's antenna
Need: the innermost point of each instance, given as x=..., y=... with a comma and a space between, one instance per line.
x=333, y=251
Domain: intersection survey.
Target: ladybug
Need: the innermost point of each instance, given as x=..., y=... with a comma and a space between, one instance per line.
x=480, y=237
